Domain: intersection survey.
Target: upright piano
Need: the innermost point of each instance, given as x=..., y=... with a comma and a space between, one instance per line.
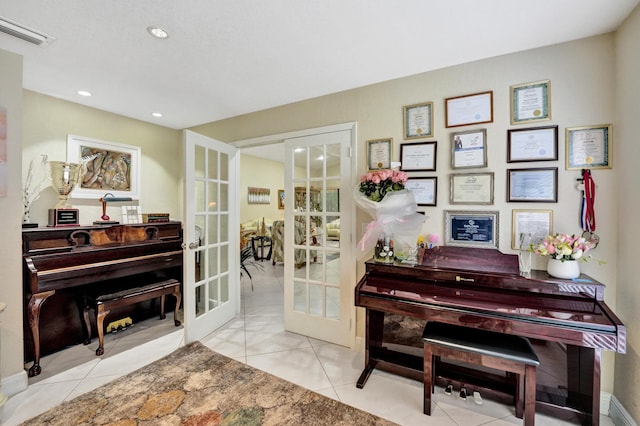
x=61, y=264
x=481, y=288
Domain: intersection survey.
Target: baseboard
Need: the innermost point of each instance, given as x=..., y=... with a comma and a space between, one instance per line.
x=14, y=384
x=619, y=415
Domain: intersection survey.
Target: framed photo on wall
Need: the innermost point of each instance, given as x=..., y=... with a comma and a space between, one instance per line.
x=424, y=189
x=469, y=149
x=418, y=120
x=418, y=156
x=531, y=102
x=379, y=154
x=471, y=228
x=532, y=144
x=588, y=147
x=110, y=167
x=469, y=109
x=532, y=185
x=538, y=223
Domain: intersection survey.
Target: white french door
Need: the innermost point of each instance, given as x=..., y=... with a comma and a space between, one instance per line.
x=211, y=241
x=319, y=276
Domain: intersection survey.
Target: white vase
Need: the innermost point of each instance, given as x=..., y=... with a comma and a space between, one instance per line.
x=567, y=270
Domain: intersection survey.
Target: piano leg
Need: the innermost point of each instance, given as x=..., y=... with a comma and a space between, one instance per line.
x=583, y=370
x=33, y=313
x=373, y=344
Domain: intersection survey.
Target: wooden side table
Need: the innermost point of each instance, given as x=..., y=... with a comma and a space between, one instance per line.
x=259, y=244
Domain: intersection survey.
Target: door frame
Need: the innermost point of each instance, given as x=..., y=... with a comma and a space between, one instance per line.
x=280, y=138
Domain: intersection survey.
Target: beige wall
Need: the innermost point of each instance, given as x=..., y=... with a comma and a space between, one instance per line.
x=13, y=376
x=582, y=93
x=627, y=153
x=260, y=173
x=49, y=120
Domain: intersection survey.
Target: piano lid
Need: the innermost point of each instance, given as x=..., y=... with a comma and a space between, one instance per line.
x=480, y=260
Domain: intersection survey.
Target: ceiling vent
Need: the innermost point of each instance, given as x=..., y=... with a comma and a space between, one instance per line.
x=24, y=33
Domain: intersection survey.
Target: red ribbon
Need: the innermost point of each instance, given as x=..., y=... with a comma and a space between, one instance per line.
x=588, y=216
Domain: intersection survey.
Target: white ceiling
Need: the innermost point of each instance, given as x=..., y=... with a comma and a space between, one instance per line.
x=229, y=57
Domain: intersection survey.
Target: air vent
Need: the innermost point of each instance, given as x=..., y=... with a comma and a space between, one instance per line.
x=24, y=33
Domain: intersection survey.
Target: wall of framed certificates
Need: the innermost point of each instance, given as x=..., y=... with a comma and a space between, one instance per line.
x=528, y=172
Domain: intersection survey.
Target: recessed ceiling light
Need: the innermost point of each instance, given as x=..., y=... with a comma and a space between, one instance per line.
x=84, y=93
x=156, y=114
x=158, y=32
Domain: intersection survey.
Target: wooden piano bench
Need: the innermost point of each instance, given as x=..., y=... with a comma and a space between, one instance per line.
x=505, y=352
x=106, y=302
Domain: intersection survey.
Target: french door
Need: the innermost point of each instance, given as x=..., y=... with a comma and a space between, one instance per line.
x=319, y=275
x=211, y=241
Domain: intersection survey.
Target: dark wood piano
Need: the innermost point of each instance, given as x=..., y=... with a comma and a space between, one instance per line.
x=482, y=288
x=62, y=264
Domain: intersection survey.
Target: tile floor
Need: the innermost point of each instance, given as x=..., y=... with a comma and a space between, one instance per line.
x=255, y=337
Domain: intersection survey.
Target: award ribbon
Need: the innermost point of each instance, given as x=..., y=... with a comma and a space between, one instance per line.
x=587, y=210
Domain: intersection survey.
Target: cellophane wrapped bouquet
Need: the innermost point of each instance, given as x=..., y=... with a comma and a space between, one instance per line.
x=383, y=196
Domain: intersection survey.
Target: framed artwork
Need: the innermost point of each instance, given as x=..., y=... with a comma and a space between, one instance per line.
x=425, y=190
x=531, y=102
x=418, y=120
x=469, y=109
x=532, y=144
x=472, y=188
x=469, y=149
x=588, y=147
x=538, y=223
x=110, y=167
x=418, y=157
x=280, y=199
x=379, y=154
x=471, y=228
x=532, y=185
x=131, y=214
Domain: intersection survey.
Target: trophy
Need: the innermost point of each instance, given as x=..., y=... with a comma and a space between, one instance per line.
x=64, y=177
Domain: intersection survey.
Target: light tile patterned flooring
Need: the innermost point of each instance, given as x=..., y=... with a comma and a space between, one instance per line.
x=256, y=337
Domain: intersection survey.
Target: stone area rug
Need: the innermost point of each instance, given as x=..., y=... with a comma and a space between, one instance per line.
x=196, y=386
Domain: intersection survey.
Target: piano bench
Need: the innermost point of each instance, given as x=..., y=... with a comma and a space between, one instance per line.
x=106, y=302
x=505, y=352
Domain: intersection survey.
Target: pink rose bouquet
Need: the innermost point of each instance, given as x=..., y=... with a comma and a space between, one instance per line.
x=563, y=247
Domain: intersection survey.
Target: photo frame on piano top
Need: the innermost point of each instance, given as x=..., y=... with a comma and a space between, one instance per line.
x=111, y=167
x=471, y=228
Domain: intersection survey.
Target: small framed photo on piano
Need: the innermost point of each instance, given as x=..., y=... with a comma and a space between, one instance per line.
x=471, y=228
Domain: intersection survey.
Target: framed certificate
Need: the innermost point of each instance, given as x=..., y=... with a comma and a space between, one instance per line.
x=472, y=188
x=418, y=120
x=469, y=109
x=588, y=147
x=469, y=149
x=532, y=185
x=379, y=154
x=425, y=190
x=419, y=156
x=531, y=102
x=471, y=228
x=538, y=223
x=532, y=144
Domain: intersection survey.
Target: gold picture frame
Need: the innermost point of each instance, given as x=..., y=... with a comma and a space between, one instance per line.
x=418, y=120
x=379, y=154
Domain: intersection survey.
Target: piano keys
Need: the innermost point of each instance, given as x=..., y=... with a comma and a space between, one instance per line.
x=481, y=288
x=61, y=263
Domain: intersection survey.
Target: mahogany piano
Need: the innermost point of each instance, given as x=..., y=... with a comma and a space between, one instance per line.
x=481, y=288
x=63, y=263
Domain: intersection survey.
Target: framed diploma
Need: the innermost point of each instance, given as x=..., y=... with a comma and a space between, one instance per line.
x=469, y=109
x=472, y=188
x=379, y=154
x=418, y=120
x=538, y=223
x=469, y=149
x=532, y=185
x=531, y=102
x=588, y=147
x=418, y=157
x=424, y=189
x=471, y=229
x=532, y=144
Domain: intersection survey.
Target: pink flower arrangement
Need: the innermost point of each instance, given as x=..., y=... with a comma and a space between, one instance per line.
x=563, y=247
x=375, y=185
